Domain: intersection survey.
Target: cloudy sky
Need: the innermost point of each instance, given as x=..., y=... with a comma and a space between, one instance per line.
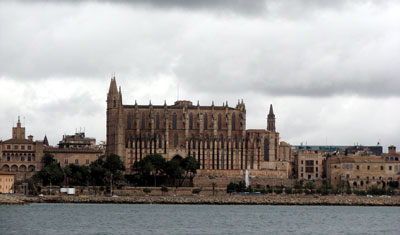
x=330, y=68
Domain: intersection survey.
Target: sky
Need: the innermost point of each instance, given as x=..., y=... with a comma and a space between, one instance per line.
x=330, y=68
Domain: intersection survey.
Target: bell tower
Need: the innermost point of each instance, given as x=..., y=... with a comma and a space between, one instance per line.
x=115, y=130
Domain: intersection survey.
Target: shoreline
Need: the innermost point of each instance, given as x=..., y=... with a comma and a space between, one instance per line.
x=208, y=200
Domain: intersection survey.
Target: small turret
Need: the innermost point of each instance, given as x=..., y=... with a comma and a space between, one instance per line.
x=271, y=119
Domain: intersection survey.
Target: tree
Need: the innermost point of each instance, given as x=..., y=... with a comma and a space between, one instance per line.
x=77, y=174
x=152, y=165
x=190, y=166
x=51, y=173
x=106, y=169
x=147, y=191
x=164, y=190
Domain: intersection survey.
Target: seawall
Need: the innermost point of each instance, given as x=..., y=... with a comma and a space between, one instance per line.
x=211, y=200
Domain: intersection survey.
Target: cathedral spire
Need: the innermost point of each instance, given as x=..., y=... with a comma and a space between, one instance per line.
x=271, y=119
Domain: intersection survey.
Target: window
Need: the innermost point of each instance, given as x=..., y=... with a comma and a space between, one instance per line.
x=22, y=159
x=76, y=161
x=175, y=140
x=23, y=147
x=66, y=161
x=174, y=121
x=233, y=121
x=219, y=122
x=8, y=146
x=29, y=147
x=191, y=121
x=29, y=159
x=15, y=146
x=347, y=176
x=358, y=167
x=316, y=175
x=390, y=168
x=205, y=121
x=8, y=158
x=382, y=168
x=301, y=175
x=143, y=121
x=157, y=121
x=368, y=167
x=302, y=162
x=316, y=162
x=358, y=177
x=87, y=161
x=316, y=169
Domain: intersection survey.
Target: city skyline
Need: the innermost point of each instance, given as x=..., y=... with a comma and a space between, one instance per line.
x=330, y=70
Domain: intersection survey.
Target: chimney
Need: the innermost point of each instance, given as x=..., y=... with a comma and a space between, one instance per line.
x=30, y=137
x=392, y=149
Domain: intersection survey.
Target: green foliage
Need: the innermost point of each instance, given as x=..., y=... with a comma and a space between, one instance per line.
x=77, y=175
x=348, y=191
x=147, y=190
x=376, y=191
x=278, y=191
x=310, y=185
x=307, y=191
x=393, y=184
x=238, y=187
x=155, y=166
x=196, y=191
x=360, y=192
x=105, y=169
x=270, y=190
x=164, y=189
x=298, y=184
x=288, y=190
x=51, y=173
x=299, y=191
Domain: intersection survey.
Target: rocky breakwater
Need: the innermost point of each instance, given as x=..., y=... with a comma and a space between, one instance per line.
x=11, y=200
x=224, y=200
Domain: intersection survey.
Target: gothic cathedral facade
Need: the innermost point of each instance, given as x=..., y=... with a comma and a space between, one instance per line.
x=215, y=135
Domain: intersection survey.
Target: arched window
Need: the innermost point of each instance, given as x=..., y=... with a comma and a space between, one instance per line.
x=157, y=121
x=175, y=140
x=266, y=150
x=143, y=121
x=174, y=121
x=205, y=121
x=191, y=121
x=233, y=121
x=219, y=122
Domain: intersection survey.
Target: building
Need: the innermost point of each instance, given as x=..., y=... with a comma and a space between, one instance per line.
x=20, y=155
x=7, y=182
x=308, y=164
x=362, y=172
x=344, y=149
x=77, y=141
x=76, y=149
x=215, y=135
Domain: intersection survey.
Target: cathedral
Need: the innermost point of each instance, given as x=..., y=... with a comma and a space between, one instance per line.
x=215, y=135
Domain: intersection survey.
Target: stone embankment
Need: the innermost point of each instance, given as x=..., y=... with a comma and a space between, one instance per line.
x=210, y=200
x=12, y=200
